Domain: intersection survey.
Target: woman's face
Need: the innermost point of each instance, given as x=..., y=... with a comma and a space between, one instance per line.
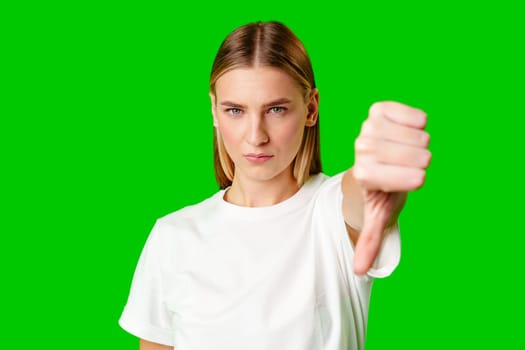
x=261, y=114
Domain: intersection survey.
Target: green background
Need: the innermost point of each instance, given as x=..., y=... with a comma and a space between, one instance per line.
x=105, y=126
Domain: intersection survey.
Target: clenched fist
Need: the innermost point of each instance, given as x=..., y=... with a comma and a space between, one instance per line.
x=391, y=157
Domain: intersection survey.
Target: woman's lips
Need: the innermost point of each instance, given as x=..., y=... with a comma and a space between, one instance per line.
x=258, y=157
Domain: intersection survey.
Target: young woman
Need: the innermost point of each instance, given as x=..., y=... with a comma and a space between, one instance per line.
x=282, y=257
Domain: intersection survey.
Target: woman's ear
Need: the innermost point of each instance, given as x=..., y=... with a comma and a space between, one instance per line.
x=214, y=109
x=313, y=108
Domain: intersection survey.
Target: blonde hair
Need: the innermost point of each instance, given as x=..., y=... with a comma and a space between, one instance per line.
x=275, y=45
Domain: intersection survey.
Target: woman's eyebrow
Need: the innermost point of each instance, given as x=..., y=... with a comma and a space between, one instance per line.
x=279, y=101
x=232, y=104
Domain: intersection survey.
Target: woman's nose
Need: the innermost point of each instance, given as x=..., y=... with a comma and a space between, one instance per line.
x=257, y=134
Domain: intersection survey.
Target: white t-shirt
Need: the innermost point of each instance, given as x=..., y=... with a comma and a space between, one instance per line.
x=219, y=276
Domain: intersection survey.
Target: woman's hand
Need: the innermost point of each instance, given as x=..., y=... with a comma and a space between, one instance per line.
x=391, y=158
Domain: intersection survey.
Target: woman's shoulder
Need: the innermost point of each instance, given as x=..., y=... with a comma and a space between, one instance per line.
x=190, y=214
x=328, y=187
x=175, y=234
x=323, y=181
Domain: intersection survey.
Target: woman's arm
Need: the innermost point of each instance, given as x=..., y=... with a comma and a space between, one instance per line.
x=147, y=345
x=391, y=156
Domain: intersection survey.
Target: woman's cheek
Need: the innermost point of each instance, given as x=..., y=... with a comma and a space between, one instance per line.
x=293, y=134
x=228, y=135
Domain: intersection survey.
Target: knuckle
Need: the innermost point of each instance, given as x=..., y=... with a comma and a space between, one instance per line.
x=428, y=159
x=419, y=180
x=360, y=173
x=362, y=144
x=370, y=128
x=425, y=139
x=366, y=127
x=423, y=114
x=422, y=159
x=376, y=108
x=422, y=117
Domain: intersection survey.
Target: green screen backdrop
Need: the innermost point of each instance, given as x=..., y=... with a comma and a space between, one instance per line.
x=105, y=126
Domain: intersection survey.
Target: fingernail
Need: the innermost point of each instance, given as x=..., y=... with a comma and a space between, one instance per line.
x=359, y=269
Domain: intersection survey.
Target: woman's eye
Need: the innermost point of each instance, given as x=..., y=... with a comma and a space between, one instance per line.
x=233, y=111
x=277, y=110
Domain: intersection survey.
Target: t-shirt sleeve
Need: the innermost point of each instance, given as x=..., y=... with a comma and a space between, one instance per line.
x=390, y=251
x=145, y=314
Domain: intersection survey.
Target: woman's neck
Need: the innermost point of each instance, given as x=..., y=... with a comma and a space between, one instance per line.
x=255, y=193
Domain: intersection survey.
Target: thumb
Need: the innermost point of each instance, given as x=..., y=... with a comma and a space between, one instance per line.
x=378, y=207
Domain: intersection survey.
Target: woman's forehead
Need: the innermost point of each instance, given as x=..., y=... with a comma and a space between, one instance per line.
x=256, y=84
